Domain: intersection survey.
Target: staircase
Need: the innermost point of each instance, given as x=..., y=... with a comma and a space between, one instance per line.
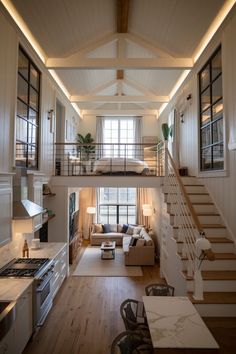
x=219, y=276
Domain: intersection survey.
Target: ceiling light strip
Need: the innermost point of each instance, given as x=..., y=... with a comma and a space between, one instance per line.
x=24, y=29
x=213, y=28
x=27, y=33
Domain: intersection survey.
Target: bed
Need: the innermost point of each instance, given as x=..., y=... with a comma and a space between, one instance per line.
x=120, y=165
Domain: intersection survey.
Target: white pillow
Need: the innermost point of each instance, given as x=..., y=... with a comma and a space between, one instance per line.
x=137, y=229
x=113, y=227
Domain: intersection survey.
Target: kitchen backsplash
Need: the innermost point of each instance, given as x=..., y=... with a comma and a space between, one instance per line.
x=14, y=248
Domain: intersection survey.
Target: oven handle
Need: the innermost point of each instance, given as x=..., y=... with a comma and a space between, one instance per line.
x=41, y=288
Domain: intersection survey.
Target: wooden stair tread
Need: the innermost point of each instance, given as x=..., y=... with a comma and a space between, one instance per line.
x=200, y=214
x=202, y=203
x=215, y=240
x=213, y=226
x=218, y=256
x=204, y=226
x=215, y=298
x=215, y=275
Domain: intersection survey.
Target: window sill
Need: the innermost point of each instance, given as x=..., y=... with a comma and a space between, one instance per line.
x=212, y=174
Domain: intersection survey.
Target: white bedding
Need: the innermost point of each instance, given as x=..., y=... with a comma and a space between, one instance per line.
x=119, y=164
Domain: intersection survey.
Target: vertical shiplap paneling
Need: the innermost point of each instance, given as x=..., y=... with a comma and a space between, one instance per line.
x=8, y=57
x=222, y=189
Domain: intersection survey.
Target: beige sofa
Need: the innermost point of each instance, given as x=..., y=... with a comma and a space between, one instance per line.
x=139, y=255
x=143, y=253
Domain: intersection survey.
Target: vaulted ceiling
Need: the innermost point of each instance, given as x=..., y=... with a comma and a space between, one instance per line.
x=118, y=55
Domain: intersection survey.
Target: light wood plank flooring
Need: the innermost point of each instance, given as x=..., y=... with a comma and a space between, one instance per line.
x=85, y=317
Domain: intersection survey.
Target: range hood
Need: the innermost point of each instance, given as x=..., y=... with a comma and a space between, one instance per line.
x=23, y=208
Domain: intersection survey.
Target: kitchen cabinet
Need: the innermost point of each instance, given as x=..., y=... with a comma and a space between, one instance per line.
x=24, y=320
x=20, y=332
x=60, y=270
x=6, y=209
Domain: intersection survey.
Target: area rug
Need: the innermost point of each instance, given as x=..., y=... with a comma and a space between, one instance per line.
x=91, y=265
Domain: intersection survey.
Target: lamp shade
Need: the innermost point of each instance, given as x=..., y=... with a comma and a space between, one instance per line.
x=146, y=206
x=91, y=210
x=203, y=244
x=147, y=212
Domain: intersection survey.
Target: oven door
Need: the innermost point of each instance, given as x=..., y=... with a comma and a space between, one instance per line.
x=43, y=300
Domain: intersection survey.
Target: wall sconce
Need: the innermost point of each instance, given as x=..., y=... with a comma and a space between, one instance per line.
x=50, y=114
x=181, y=114
x=189, y=97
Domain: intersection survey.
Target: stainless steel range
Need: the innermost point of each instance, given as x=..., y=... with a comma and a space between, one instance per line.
x=41, y=269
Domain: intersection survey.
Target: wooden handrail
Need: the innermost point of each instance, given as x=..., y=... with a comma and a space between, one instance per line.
x=186, y=197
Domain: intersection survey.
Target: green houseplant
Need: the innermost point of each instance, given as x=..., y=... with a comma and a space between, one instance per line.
x=86, y=150
x=166, y=131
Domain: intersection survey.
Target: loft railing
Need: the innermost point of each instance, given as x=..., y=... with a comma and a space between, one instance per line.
x=187, y=222
x=74, y=159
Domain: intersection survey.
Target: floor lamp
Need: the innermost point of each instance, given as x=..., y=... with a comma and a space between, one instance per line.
x=91, y=211
x=147, y=211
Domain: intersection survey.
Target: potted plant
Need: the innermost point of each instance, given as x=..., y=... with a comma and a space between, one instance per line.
x=86, y=150
x=166, y=131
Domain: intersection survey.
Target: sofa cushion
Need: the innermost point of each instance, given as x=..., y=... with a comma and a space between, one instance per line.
x=106, y=228
x=98, y=228
x=140, y=242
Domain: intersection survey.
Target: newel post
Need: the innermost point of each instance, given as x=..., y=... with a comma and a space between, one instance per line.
x=198, y=285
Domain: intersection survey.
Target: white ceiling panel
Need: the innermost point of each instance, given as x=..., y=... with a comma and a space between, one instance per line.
x=176, y=26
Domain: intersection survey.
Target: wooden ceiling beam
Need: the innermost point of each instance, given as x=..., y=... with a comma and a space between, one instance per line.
x=122, y=16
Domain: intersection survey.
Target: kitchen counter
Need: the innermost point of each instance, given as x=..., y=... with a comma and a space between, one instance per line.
x=12, y=288
x=47, y=250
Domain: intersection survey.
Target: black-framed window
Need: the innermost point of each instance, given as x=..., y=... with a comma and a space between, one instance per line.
x=211, y=114
x=117, y=205
x=27, y=112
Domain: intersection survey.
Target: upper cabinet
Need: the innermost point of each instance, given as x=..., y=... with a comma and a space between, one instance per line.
x=6, y=209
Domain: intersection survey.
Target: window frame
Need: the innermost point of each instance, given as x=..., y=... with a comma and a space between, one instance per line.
x=212, y=121
x=27, y=144
x=117, y=205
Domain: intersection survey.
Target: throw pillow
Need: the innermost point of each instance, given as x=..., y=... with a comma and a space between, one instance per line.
x=98, y=228
x=119, y=228
x=137, y=229
x=140, y=243
x=113, y=227
x=129, y=313
x=106, y=228
x=124, y=228
x=130, y=230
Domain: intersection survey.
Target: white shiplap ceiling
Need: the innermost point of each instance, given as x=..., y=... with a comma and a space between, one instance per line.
x=84, y=34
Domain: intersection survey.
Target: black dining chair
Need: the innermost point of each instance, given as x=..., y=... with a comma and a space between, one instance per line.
x=131, y=342
x=159, y=290
x=133, y=314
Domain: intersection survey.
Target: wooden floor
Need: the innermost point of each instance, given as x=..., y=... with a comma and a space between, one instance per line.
x=85, y=317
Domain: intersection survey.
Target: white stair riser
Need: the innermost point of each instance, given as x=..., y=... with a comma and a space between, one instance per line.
x=189, y=180
x=202, y=208
x=225, y=264
x=195, y=189
x=206, y=219
x=198, y=198
x=216, y=231
x=214, y=285
x=216, y=247
x=216, y=310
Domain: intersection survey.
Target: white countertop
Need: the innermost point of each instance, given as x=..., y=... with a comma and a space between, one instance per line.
x=175, y=323
x=47, y=250
x=12, y=288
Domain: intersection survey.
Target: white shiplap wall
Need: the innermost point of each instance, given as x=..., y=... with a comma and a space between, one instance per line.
x=10, y=37
x=222, y=188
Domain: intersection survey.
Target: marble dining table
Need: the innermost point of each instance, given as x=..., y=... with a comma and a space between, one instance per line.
x=175, y=323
